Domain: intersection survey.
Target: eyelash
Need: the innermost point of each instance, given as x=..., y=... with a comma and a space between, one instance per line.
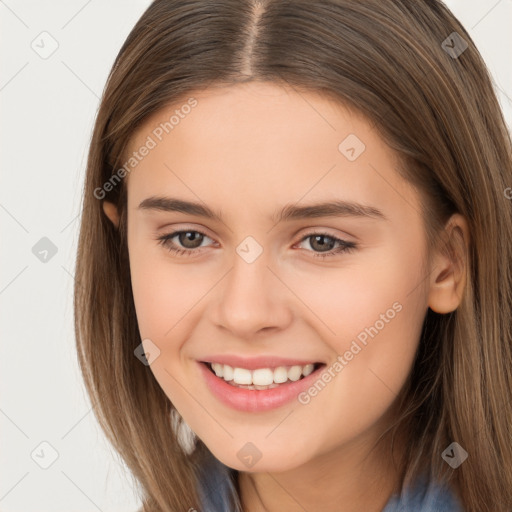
x=344, y=247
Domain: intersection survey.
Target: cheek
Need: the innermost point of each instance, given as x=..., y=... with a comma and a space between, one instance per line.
x=371, y=365
x=164, y=292
x=371, y=317
x=167, y=301
x=347, y=299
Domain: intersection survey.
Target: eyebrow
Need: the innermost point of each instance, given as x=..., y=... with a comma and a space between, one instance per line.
x=289, y=212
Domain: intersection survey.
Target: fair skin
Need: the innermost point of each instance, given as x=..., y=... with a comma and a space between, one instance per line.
x=248, y=150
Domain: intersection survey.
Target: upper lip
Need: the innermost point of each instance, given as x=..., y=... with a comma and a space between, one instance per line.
x=253, y=363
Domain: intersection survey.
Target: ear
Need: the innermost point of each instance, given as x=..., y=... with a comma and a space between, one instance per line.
x=111, y=212
x=449, y=266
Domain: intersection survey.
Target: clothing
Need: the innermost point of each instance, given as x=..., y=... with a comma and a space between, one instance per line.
x=424, y=496
x=216, y=486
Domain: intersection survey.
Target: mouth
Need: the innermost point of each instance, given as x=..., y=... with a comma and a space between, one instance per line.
x=259, y=389
x=261, y=379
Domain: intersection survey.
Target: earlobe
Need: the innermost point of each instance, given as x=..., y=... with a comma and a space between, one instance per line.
x=111, y=212
x=449, y=267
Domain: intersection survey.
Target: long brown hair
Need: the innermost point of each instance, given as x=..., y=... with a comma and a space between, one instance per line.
x=436, y=108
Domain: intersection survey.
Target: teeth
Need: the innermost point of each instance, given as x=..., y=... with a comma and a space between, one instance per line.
x=218, y=369
x=262, y=378
x=308, y=369
x=280, y=375
x=242, y=376
x=227, y=372
x=254, y=386
x=294, y=373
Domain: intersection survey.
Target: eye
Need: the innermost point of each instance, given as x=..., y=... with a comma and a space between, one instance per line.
x=325, y=243
x=190, y=238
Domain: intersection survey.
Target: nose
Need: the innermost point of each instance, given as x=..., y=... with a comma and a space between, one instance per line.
x=253, y=299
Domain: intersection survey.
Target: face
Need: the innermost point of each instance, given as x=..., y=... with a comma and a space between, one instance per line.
x=340, y=288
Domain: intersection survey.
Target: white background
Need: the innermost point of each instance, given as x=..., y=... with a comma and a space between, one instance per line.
x=48, y=109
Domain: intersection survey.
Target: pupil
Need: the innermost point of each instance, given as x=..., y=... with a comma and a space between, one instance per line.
x=323, y=244
x=190, y=236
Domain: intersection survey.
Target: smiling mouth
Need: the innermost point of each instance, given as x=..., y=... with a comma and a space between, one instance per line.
x=261, y=378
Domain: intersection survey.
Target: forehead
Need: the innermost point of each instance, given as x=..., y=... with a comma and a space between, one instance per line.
x=257, y=144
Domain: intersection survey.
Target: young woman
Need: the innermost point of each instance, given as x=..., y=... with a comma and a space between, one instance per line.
x=294, y=282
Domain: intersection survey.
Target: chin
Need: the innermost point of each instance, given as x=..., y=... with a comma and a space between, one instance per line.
x=263, y=459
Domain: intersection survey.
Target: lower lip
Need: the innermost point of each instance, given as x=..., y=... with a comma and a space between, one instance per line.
x=253, y=400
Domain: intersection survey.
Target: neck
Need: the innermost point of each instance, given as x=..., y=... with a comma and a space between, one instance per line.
x=349, y=478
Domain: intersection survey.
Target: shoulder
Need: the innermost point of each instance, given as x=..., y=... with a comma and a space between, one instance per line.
x=425, y=496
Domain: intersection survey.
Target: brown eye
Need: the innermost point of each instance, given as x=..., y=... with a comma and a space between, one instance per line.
x=323, y=245
x=188, y=241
